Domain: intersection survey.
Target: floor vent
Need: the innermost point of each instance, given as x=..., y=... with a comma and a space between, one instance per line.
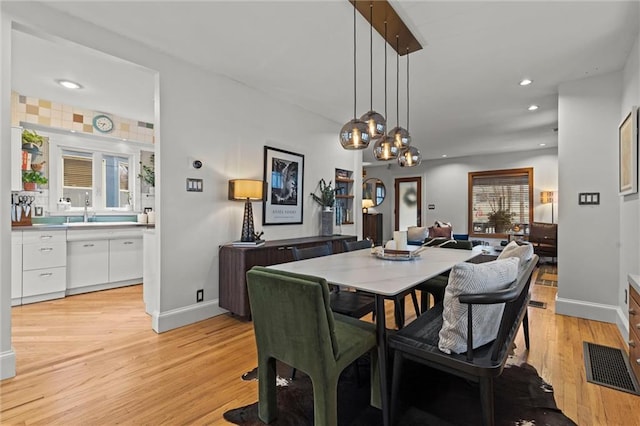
x=537, y=304
x=609, y=367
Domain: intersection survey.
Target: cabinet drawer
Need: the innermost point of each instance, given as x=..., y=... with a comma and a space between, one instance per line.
x=40, y=237
x=44, y=281
x=47, y=255
x=634, y=331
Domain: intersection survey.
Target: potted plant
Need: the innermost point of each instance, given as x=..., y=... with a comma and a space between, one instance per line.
x=31, y=141
x=327, y=196
x=148, y=174
x=31, y=179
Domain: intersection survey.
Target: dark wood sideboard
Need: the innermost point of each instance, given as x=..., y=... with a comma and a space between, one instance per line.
x=372, y=227
x=236, y=261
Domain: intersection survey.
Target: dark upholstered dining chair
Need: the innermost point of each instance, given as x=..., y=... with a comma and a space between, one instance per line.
x=306, y=335
x=398, y=300
x=544, y=238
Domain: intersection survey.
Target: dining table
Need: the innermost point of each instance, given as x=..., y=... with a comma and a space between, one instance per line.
x=383, y=276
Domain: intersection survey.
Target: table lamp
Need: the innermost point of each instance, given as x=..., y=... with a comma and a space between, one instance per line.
x=366, y=203
x=248, y=190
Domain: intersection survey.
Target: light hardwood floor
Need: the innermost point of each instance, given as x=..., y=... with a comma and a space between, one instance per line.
x=93, y=359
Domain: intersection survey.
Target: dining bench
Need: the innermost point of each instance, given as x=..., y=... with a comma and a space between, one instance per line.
x=419, y=341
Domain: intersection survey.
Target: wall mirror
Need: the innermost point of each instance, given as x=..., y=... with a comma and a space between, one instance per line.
x=373, y=189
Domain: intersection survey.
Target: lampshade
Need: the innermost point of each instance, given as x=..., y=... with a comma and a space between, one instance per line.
x=409, y=157
x=367, y=202
x=385, y=149
x=546, y=197
x=247, y=190
x=243, y=189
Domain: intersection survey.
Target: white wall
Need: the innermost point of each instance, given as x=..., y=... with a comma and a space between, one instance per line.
x=588, y=236
x=211, y=118
x=629, y=205
x=445, y=184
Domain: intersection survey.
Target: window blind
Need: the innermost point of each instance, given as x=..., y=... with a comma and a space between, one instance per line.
x=77, y=172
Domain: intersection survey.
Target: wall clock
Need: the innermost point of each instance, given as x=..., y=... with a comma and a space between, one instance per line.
x=102, y=123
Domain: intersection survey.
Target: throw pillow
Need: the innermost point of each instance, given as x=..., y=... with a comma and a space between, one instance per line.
x=417, y=234
x=523, y=252
x=469, y=278
x=440, y=232
x=443, y=224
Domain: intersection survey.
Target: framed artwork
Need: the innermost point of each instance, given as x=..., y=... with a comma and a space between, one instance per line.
x=284, y=175
x=628, y=153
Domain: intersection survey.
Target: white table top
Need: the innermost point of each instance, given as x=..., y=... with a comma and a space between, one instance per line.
x=362, y=270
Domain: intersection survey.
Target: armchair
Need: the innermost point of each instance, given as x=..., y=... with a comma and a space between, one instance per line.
x=306, y=335
x=544, y=238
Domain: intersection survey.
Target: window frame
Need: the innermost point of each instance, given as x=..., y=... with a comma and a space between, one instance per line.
x=98, y=146
x=519, y=172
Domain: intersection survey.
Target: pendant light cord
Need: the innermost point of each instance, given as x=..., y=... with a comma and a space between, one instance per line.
x=397, y=81
x=407, y=89
x=371, y=56
x=385, y=69
x=354, y=62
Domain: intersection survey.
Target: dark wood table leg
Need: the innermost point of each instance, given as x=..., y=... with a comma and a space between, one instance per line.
x=381, y=334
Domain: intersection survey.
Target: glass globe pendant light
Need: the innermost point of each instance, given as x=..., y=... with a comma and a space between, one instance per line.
x=375, y=121
x=400, y=136
x=354, y=134
x=384, y=149
x=410, y=156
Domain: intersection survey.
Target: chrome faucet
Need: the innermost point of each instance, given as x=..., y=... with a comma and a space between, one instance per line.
x=85, y=216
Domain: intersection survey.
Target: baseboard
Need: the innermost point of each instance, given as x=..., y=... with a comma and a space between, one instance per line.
x=7, y=364
x=587, y=310
x=100, y=287
x=165, y=321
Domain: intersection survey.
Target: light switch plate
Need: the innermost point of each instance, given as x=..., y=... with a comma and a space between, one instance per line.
x=194, y=185
x=588, y=198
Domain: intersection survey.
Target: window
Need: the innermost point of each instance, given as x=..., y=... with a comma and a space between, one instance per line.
x=500, y=202
x=94, y=172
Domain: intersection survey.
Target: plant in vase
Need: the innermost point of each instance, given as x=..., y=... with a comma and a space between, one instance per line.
x=31, y=141
x=327, y=197
x=31, y=179
x=148, y=174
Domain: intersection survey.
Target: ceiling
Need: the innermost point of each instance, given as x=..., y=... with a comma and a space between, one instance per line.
x=464, y=93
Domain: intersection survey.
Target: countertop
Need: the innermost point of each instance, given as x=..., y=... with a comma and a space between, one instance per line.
x=81, y=225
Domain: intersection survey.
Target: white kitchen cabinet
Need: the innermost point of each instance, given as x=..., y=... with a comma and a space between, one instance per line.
x=44, y=265
x=125, y=259
x=16, y=158
x=16, y=268
x=88, y=263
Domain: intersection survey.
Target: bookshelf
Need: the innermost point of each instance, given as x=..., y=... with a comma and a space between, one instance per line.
x=344, y=197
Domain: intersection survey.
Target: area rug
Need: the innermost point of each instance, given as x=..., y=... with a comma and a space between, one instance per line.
x=428, y=397
x=547, y=275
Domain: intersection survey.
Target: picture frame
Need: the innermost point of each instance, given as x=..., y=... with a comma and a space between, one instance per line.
x=628, y=153
x=284, y=176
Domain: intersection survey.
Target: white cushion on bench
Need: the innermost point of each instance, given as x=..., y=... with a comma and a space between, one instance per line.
x=469, y=278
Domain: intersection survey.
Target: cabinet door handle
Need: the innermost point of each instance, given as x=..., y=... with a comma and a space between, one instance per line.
x=285, y=248
x=632, y=311
x=638, y=361
x=638, y=326
x=46, y=237
x=46, y=274
x=88, y=245
x=46, y=249
x=632, y=344
x=127, y=242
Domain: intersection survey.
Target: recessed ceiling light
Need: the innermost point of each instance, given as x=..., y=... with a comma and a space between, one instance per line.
x=72, y=131
x=444, y=155
x=543, y=144
x=532, y=107
x=525, y=82
x=69, y=84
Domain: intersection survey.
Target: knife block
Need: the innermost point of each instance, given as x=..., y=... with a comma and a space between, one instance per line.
x=25, y=220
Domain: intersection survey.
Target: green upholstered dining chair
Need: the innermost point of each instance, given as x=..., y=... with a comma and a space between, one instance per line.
x=306, y=335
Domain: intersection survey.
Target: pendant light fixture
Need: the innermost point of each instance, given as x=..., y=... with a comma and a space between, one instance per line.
x=400, y=136
x=410, y=156
x=384, y=149
x=375, y=121
x=354, y=134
